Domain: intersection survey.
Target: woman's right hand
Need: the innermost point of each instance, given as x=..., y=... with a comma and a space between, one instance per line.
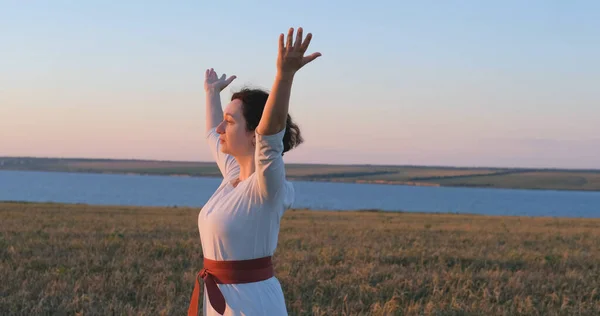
x=213, y=83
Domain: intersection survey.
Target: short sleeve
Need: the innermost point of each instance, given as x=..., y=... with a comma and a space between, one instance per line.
x=227, y=163
x=270, y=168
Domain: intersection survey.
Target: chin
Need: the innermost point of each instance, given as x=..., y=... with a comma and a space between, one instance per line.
x=224, y=150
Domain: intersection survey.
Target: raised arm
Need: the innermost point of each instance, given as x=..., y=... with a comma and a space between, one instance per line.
x=213, y=85
x=270, y=168
x=289, y=60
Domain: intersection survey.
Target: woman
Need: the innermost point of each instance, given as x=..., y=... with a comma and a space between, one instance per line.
x=239, y=225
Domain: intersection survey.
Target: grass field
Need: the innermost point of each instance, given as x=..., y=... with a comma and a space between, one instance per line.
x=515, y=178
x=60, y=259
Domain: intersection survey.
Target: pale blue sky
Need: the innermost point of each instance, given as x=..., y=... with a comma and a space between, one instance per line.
x=463, y=83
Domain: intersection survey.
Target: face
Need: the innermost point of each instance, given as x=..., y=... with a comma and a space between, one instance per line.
x=235, y=139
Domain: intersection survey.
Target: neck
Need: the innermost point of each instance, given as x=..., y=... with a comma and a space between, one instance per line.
x=246, y=164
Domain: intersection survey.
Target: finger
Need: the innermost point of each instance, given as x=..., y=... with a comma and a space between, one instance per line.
x=309, y=58
x=223, y=77
x=206, y=73
x=298, y=42
x=281, y=41
x=229, y=80
x=306, y=42
x=290, y=38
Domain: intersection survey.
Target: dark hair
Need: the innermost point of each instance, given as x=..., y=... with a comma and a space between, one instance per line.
x=253, y=105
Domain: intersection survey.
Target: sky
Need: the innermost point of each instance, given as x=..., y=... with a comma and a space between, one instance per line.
x=446, y=83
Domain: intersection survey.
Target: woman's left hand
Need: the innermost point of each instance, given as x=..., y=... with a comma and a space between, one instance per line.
x=291, y=54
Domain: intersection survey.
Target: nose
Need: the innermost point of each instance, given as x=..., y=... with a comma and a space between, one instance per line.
x=220, y=128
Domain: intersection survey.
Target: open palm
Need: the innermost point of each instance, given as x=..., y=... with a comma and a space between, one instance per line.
x=215, y=83
x=291, y=53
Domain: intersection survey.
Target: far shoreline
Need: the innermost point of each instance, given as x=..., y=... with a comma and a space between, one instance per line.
x=321, y=180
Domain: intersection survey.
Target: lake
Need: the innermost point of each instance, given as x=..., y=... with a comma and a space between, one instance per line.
x=120, y=189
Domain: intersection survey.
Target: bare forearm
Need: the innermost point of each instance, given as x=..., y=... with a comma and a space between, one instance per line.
x=276, y=109
x=214, y=112
x=213, y=85
x=290, y=59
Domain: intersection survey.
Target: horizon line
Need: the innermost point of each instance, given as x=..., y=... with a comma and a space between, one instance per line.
x=316, y=163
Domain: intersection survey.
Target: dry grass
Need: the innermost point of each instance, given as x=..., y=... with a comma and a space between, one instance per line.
x=62, y=259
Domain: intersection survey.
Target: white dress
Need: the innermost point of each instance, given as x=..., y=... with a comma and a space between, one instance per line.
x=242, y=222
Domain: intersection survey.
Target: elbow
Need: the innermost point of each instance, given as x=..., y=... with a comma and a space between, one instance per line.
x=270, y=129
